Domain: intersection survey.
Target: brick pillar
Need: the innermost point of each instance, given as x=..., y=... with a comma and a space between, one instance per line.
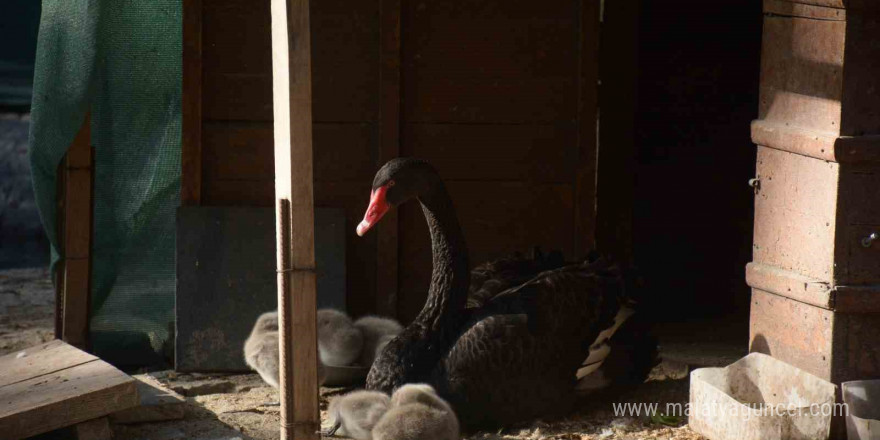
x=815, y=275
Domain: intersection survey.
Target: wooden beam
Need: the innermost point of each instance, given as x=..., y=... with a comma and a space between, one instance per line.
x=191, y=105
x=292, y=102
x=54, y=385
x=789, y=9
x=58, y=276
x=588, y=105
x=389, y=148
x=77, y=238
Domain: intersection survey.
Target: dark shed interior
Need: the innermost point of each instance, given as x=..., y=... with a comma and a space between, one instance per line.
x=692, y=210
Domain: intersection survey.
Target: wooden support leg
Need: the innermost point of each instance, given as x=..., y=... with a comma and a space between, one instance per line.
x=97, y=429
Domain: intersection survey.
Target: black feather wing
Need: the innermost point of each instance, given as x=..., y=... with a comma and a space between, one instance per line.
x=493, y=277
x=503, y=369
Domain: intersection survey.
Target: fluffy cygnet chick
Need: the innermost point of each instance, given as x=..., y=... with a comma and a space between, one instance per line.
x=339, y=341
x=354, y=414
x=377, y=332
x=261, y=349
x=417, y=413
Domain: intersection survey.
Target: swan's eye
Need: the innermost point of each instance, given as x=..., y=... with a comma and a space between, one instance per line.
x=390, y=183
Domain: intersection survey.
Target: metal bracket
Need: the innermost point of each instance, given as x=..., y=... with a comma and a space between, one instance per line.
x=755, y=183
x=869, y=240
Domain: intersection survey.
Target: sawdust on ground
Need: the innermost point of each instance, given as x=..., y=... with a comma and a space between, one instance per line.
x=243, y=407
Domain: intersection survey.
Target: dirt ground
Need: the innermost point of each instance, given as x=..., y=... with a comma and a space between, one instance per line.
x=241, y=406
x=27, y=309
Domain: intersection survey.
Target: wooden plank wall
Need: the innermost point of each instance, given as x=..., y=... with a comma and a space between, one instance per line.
x=237, y=142
x=491, y=95
x=500, y=96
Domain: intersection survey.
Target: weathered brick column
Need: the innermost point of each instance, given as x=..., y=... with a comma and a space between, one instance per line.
x=815, y=274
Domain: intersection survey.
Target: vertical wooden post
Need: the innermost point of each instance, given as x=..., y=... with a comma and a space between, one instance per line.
x=77, y=238
x=618, y=67
x=389, y=148
x=60, y=203
x=191, y=105
x=292, y=94
x=588, y=105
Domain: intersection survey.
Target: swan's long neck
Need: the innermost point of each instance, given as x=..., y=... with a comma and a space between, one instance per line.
x=447, y=294
x=413, y=356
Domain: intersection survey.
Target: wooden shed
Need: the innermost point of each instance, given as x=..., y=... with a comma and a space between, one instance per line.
x=503, y=98
x=573, y=125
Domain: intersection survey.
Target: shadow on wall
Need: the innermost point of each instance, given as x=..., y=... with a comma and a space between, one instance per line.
x=760, y=345
x=22, y=240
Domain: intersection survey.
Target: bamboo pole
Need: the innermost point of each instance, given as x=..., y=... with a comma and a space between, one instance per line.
x=292, y=95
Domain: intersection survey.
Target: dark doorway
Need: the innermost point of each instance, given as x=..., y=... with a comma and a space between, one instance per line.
x=676, y=155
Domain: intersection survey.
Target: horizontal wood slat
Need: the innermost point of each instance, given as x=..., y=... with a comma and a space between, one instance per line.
x=42, y=359
x=787, y=8
x=238, y=61
x=789, y=284
x=852, y=5
x=528, y=152
x=816, y=144
x=243, y=151
x=56, y=385
x=490, y=61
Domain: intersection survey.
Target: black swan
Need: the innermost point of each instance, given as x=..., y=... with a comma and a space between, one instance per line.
x=493, y=277
x=516, y=354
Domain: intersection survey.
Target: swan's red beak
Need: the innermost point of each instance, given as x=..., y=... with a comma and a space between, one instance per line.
x=378, y=207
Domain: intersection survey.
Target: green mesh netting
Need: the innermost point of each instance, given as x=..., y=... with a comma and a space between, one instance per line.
x=120, y=61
